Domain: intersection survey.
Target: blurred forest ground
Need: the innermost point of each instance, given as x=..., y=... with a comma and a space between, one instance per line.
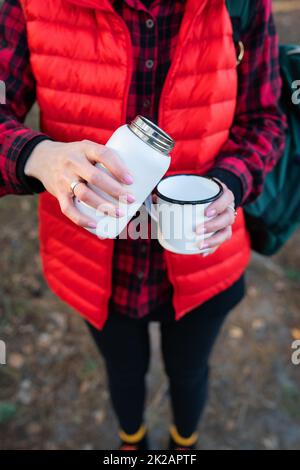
x=53, y=393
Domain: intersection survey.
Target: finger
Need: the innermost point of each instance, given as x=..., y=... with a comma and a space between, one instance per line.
x=217, y=239
x=217, y=223
x=69, y=210
x=104, y=181
x=97, y=153
x=85, y=194
x=219, y=206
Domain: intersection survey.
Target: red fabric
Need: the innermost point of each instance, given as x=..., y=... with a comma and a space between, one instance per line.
x=198, y=116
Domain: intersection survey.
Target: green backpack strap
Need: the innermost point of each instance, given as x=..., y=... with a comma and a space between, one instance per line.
x=275, y=214
x=241, y=13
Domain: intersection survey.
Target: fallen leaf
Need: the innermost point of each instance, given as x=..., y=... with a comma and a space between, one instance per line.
x=230, y=425
x=252, y=291
x=99, y=416
x=85, y=387
x=296, y=333
x=236, y=332
x=258, y=324
x=16, y=360
x=34, y=428
x=44, y=340
x=270, y=442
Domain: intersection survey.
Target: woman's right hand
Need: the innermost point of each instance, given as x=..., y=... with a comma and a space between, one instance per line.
x=58, y=164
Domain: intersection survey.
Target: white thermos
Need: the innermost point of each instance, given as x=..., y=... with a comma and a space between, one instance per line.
x=144, y=148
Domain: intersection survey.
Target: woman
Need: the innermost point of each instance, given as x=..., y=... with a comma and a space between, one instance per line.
x=94, y=65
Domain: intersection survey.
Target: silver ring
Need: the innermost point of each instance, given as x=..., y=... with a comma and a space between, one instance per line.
x=74, y=184
x=231, y=206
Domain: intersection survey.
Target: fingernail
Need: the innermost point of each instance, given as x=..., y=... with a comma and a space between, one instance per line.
x=211, y=212
x=128, y=179
x=130, y=198
x=119, y=212
x=200, y=229
x=204, y=245
x=92, y=225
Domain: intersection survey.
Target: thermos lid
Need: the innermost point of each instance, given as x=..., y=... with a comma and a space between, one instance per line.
x=152, y=134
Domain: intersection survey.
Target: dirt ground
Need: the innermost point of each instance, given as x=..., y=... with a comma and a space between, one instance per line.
x=53, y=393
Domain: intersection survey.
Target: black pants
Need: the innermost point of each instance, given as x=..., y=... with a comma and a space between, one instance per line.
x=186, y=345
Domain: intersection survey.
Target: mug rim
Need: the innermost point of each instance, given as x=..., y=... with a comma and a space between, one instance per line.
x=199, y=201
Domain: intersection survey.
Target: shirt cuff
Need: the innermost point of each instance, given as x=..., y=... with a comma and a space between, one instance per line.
x=30, y=184
x=232, y=182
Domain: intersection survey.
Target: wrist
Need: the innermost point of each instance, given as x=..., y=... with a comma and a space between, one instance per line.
x=232, y=182
x=35, y=165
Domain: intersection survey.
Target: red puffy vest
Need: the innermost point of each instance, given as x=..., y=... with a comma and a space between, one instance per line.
x=81, y=56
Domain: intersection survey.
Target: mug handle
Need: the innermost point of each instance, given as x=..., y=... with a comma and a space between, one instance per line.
x=150, y=209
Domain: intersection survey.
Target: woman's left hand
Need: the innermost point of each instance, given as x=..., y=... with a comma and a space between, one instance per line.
x=223, y=212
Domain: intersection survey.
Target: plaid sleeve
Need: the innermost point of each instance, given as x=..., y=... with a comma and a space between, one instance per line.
x=257, y=136
x=18, y=96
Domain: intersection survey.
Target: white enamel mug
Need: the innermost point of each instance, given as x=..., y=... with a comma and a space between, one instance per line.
x=180, y=207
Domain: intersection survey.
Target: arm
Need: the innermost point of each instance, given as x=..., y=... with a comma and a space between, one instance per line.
x=16, y=140
x=30, y=161
x=256, y=140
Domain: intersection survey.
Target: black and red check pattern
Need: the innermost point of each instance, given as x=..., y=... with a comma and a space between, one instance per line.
x=20, y=95
x=140, y=281
x=256, y=141
x=154, y=36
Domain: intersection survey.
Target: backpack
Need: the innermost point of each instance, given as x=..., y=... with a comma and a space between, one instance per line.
x=273, y=217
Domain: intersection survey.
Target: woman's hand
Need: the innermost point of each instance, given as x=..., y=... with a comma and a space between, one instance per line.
x=58, y=164
x=223, y=213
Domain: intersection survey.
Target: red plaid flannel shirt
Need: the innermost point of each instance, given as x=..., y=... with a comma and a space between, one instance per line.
x=256, y=141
